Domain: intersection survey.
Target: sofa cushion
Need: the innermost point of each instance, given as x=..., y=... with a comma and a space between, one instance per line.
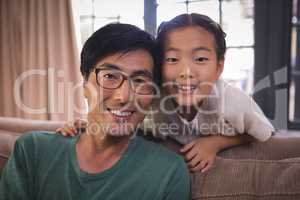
x=21, y=125
x=280, y=146
x=7, y=141
x=248, y=179
x=2, y=164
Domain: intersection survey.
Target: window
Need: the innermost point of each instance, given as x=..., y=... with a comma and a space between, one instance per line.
x=294, y=80
x=235, y=17
x=97, y=13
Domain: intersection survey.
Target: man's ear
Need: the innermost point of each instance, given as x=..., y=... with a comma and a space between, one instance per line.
x=86, y=90
x=220, y=66
x=90, y=92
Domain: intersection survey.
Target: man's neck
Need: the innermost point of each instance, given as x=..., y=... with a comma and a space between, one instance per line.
x=98, y=152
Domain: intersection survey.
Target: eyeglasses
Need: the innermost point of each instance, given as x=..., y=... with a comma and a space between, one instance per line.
x=112, y=79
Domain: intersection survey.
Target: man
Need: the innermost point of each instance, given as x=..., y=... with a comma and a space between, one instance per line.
x=118, y=63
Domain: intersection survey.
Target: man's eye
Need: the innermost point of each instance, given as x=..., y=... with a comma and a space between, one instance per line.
x=201, y=59
x=110, y=76
x=171, y=60
x=139, y=80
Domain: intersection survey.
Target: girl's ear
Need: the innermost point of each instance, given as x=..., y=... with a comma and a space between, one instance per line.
x=220, y=66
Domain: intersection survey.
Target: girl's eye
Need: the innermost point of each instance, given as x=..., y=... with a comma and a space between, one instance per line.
x=171, y=60
x=201, y=59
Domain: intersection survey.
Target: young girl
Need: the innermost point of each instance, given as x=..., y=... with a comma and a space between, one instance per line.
x=197, y=108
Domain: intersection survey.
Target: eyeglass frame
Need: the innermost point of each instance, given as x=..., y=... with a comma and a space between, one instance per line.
x=124, y=77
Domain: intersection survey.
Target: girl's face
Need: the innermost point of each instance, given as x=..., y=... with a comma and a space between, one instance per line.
x=190, y=66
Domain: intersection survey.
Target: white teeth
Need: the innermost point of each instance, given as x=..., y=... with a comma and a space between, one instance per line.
x=187, y=88
x=120, y=113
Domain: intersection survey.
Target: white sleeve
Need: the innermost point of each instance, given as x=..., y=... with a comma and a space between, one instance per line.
x=242, y=112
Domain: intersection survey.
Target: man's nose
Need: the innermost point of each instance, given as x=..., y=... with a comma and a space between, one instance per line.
x=123, y=93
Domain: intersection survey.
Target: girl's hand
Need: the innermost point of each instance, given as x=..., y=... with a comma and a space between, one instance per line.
x=72, y=128
x=200, y=154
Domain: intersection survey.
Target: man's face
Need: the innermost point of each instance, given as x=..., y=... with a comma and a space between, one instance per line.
x=118, y=111
x=190, y=64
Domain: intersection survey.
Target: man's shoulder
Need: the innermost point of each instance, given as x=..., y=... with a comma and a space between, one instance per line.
x=160, y=165
x=37, y=140
x=42, y=136
x=159, y=153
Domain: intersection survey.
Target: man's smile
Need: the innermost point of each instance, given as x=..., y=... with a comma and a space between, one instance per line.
x=119, y=115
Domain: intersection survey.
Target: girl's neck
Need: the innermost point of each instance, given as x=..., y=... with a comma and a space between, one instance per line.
x=187, y=112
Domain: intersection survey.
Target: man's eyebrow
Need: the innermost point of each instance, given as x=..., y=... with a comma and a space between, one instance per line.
x=135, y=73
x=111, y=66
x=142, y=73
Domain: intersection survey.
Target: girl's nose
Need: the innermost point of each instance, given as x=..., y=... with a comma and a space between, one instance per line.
x=186, y=72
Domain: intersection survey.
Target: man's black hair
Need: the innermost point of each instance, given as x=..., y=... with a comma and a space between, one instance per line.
x=117, y=38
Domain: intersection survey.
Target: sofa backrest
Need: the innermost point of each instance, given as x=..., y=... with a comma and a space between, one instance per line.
x=12, y=128
x=7, y=141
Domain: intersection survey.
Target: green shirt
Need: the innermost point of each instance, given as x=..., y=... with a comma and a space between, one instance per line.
x=43, y=166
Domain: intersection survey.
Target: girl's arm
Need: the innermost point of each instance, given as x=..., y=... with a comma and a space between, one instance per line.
x=201, y=153
x=224, y=142
x=72, y=128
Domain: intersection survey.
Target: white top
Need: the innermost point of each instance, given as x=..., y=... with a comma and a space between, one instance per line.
x=227, y=111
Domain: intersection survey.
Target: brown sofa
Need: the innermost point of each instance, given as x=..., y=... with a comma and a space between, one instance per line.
x=12, y=128
x=269, y=170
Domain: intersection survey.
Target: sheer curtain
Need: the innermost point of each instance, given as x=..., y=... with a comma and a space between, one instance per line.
x=39, y=60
